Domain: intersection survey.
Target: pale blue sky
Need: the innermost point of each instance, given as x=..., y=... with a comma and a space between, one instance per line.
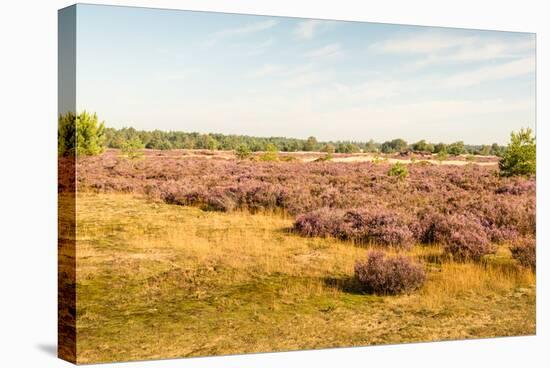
x=274, y=76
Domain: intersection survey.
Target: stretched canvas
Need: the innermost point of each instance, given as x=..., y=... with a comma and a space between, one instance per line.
x=235, y=184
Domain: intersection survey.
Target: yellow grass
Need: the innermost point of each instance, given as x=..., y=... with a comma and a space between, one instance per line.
x=155, y=280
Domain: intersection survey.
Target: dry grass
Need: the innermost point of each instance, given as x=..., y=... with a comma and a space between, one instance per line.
x=155, y=280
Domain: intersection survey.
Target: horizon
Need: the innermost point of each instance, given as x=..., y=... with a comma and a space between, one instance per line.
x=265, y=76
x=303, y=139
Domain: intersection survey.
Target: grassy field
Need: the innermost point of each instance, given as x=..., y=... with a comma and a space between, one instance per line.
x=158, y=281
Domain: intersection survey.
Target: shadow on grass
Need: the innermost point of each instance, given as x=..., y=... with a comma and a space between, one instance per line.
x=345, y=284
x=436, y=258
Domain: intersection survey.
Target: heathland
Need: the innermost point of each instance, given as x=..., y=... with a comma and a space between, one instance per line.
x=191, y=253
x=249, y=245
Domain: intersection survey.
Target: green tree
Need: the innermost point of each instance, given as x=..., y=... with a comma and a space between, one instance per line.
x=81, y=134
x=440, y=147
x=206, y=141
x=399, y=144
x=456, y=148
x=442, y=156
x=66, y=134
x=496, y=150
x=485, y=150
x=387, y=147
x=520, y=156
x=396, y=145
x=423, y=146
x=270, y=154
x=132, y=148
x=242, y=151
x=371, y=146
x=310, y=144
x=328, y=148
x=347, y=148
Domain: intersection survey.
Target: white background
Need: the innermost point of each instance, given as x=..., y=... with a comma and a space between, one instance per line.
x=28, y=121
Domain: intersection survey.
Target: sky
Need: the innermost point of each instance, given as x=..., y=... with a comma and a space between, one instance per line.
x=276, y=76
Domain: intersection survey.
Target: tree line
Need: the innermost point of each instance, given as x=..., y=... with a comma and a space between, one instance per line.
x=83, y=134
x=163, y=140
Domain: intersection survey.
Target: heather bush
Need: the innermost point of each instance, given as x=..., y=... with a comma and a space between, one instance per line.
x=517, y=187
x=322, y=222
x=525, y=252
x=218, y=200
x=434, y=201
x=377, y=226
x=462, y=236
x=389, y=275
x=468, y=245
x=390, y=229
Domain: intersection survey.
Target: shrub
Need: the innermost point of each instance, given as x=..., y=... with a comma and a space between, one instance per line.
x=218, y=200
x=438, y=196
x=519, y=187
x=322, y=222
x=270, y=153
x=442, y=155
x=242, y=152
x=462, y=236
x=525, y=252
x=389, y=229
x=287, y=158
x=468, y=245
x=131, y=148
x=520, y=157
x=329, y=149
x=389, y=275
x=378, y=226
x=398, y=170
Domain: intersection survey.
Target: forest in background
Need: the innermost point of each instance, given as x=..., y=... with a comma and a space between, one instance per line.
x=163, y=140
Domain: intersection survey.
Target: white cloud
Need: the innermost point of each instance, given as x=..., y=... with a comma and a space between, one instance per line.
x=247, y=29
x=306, y=29
x=265, y=71
x=502, y=71
x=438, y=47
x=261, y=47
x=420, y=43
x=292, y=77
x=325, y=51
x=244, y=30
x=305, y=79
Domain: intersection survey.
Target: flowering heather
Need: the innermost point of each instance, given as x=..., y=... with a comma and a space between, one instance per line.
x=525, y=252
x=322, y=222
x=389, y=275
x=378, y=226
x=463, y=207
